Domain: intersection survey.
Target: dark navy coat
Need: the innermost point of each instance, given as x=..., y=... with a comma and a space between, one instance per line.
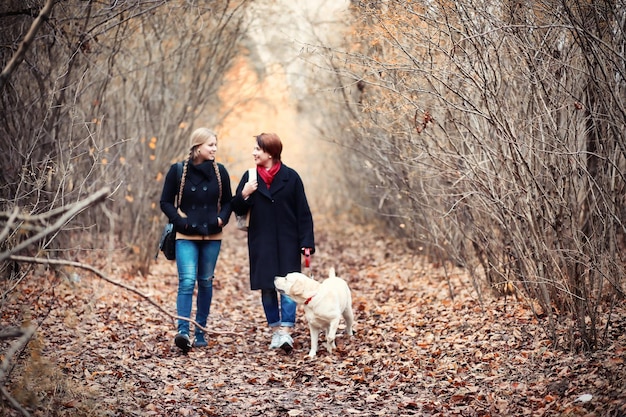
x=199, y=202
x=281, y=225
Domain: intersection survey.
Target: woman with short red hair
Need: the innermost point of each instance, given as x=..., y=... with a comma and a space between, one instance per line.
x=279, y=232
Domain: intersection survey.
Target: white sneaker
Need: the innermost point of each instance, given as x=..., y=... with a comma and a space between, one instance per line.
x=286, y=342
x=276, y=339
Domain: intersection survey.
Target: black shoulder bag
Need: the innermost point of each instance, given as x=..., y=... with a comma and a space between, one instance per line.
x=167, y=243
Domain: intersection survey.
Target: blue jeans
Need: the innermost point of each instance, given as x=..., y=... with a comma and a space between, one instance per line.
x=195, y=260
x=278, y=315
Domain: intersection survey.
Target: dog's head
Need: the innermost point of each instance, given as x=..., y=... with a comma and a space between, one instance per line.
x=297, y=286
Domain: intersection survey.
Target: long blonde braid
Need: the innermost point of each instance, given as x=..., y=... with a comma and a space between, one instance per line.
x=182, y=179
x=219, y=183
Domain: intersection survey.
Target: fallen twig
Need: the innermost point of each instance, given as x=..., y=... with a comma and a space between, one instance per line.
x=103, y=276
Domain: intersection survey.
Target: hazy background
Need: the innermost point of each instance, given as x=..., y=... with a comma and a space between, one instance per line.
x=274, y=87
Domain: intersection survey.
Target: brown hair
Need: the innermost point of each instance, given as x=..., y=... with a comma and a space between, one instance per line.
x=270, y=143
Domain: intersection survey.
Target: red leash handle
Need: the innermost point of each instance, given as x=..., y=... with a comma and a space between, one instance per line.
x=307, y=257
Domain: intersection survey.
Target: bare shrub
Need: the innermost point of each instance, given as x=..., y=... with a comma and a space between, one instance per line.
x=493, y=134
x=106, y=95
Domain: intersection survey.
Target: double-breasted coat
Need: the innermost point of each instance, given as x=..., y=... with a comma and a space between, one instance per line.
x=281, y=225
x=199, y=201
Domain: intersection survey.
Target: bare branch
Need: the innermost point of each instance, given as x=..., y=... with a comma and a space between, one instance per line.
x=28, y=40
x=11, y=333
x=70, y=212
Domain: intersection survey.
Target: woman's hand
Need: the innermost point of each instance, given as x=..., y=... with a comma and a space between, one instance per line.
x=249, y=188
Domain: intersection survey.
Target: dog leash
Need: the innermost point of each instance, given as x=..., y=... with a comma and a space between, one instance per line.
x=307, y=264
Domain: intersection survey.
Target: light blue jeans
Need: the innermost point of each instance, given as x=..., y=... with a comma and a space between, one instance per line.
x=283, y=314
x=195, y=260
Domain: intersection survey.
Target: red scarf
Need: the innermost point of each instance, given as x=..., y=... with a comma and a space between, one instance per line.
x=268, y=174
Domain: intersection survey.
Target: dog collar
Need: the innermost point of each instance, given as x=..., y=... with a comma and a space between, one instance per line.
x=308, y=300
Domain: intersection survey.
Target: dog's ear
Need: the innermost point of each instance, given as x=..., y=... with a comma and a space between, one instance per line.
x=297, y=287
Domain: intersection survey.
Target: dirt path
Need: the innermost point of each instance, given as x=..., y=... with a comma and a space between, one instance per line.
x=416, y=351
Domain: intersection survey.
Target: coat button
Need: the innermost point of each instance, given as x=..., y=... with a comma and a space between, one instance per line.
x=205, y=188
x=193, y=188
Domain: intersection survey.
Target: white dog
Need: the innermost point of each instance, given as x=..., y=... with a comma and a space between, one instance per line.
x=324, y=304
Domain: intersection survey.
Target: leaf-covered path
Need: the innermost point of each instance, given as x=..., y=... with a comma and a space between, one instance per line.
x=416, y=351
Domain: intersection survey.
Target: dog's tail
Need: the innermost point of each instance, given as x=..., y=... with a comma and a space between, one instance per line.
x=331, y=273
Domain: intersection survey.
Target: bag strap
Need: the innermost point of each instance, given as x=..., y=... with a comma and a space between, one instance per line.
x=252, y=174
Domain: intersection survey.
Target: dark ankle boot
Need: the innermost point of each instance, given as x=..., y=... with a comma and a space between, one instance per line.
x=200, y=341
x=183, y=342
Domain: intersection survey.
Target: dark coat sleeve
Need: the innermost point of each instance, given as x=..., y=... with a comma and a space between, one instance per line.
x=169, y=195
x=238, y=204
x=305, y=218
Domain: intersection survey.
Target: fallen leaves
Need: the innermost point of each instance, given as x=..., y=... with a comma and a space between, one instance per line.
x=415, y=351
